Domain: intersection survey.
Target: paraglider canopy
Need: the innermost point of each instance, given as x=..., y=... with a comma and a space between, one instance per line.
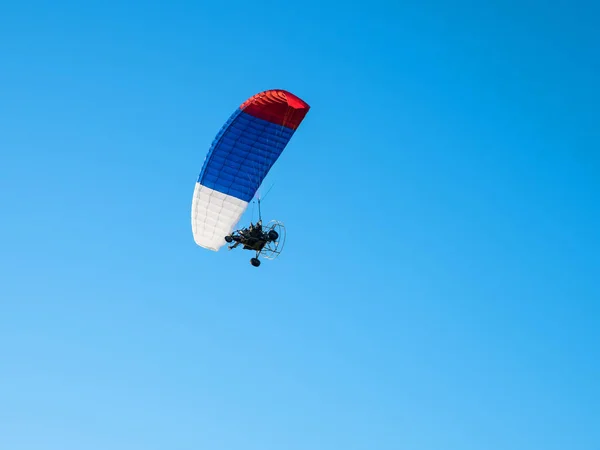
x=239, y=159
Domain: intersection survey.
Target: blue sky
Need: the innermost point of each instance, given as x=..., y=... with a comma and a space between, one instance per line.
x=439, y=285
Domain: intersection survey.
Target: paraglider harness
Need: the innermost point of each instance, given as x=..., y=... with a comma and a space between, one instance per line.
x=254, y=237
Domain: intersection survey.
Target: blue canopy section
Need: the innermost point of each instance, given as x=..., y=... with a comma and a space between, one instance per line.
x=242, y=154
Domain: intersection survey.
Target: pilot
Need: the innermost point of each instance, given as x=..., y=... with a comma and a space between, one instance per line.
x=251, y=237
x=255, y=231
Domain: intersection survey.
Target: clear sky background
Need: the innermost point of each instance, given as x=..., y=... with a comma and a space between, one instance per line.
x=439, y=285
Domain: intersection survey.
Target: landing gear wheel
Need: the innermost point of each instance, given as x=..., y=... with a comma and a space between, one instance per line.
x=228, y=239
x=255, y=262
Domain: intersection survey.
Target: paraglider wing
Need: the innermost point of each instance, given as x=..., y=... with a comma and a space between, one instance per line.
x=239, y=158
